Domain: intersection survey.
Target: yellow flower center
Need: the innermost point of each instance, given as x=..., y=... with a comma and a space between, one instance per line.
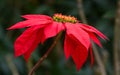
x=64, y=18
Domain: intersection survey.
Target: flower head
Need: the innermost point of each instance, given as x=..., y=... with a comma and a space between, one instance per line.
x=64, y=18
x=41, y=27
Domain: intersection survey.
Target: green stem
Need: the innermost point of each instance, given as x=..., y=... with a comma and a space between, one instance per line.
x=45, y=55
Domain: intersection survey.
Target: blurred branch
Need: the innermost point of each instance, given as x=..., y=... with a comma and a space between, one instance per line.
x=11, y=65
x=97, y=56
x=99, y=60
x=81, y=12
x=117, y=42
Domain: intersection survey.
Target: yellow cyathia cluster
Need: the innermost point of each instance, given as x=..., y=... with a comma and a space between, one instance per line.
x=64, y=18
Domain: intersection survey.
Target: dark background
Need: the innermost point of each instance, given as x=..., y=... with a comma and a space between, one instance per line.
x=99, y=13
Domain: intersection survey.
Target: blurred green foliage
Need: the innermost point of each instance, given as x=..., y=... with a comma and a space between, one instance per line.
x=99, y=13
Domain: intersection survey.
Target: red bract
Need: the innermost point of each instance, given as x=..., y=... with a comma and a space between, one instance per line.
x=41, y=27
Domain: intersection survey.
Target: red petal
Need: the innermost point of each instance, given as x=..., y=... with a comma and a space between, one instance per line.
x=74, y=30
x=95, y=39
x=24, y=41
x=79, y=56
x=91, y=55
x=53, y=29
x=78, y=51
x=33, y=16
x=37, y=40
x=92, y=29
x=29, y=23
x=68, y=46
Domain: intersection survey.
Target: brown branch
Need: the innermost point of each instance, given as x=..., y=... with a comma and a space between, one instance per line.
x=45, y=55
x=117, y=42
x=97, y=56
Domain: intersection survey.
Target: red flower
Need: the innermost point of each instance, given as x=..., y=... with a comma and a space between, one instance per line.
x=41, y=27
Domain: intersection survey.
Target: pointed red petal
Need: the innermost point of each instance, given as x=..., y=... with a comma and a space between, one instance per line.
x=79, y=56
x=91, y=55
x=95, y=39
x=24, y=41
x=74, y=30
x=37, y=40
x=68, y=46
x=92, y=29
x=34, y=16
x=78, y=52
x=29, y=23
x=53, y=29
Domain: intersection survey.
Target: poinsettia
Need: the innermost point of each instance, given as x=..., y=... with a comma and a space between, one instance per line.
x=39, y=28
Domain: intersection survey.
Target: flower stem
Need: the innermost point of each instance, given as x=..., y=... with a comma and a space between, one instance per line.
x=46, y=54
